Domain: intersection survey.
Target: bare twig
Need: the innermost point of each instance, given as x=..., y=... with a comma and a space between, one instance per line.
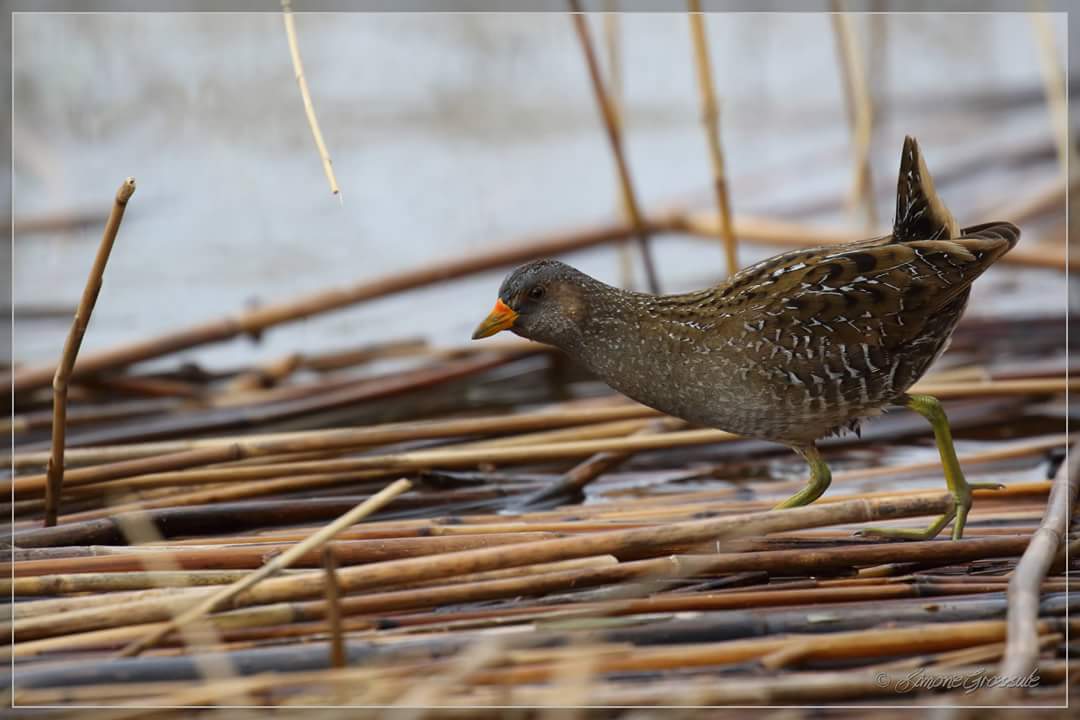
x=611, y=125
x=309, y=108
x=860, y=110
x=324, y=534
x=1022, y=646
x=333, y=608
x=710, y=115
x=55, y=471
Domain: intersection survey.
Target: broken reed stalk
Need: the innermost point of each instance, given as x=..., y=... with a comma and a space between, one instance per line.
x=615, y=140
x=1022, y=646
x=333, y=608
x=710, y=116
x=62, y=376
x=305, y=94
x=612, y=32
x=1056, y=89
x=859, y=111
x=569, y=487
x=253, y=322
x=316, y=540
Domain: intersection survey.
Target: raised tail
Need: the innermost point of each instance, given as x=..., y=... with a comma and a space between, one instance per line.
x=1005, y=233
x=920, y=213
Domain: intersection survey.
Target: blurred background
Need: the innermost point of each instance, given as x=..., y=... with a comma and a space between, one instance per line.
x=453, y=134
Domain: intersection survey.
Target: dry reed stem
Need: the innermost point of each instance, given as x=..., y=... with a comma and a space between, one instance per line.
x=860, y=111
x=1043, y=200
x=76, y=583
x=411, y=704
x=1056, y=89
x=615, y=542
x=467, y=457
x=794, y=689
x=253, y=470
x=778, y=232
x=138, y=529
x=451, y=458
x=232, y=449
x=613, y=46
x=710, y=117
x=109, y=583
x=57, y=222
x=334, y=471
x=615, y=140
x=253, y=556
x=333, y=608
x=629, y=580
x=305, y=94
x=574, y=675
x=258, y=445
x=1022, y=649
x=342, y=438
x=42, y=608
x=316, y=540
x=990, y=652
x=638, y=541
x=231, y=492
x=834, y=646
x=64, y=367
x=573, y=482
x=252, y=322
x=791, y=689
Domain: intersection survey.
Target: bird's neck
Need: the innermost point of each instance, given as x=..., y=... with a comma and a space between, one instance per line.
x=610, y=337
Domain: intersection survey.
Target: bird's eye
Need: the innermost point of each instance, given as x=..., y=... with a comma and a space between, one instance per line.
x=536, y=292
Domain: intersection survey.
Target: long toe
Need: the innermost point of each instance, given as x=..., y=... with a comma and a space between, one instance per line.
x=929, y=533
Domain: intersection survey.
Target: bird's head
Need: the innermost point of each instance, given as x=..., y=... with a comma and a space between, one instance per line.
x=544, y=300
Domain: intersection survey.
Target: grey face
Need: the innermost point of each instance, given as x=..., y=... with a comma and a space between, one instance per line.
x=549, y=298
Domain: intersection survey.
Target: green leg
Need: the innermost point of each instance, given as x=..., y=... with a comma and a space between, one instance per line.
x=930, y=409
x=820, y=477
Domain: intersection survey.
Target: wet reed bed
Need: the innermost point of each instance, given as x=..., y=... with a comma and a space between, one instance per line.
x=541, y=540
x=397, y=523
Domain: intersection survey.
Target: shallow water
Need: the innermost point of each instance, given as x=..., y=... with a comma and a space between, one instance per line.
x=449, y=134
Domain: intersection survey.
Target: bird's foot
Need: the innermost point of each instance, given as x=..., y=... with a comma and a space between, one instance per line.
x=961, y=506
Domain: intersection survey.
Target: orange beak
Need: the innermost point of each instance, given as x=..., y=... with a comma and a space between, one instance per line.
x=499, y=319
